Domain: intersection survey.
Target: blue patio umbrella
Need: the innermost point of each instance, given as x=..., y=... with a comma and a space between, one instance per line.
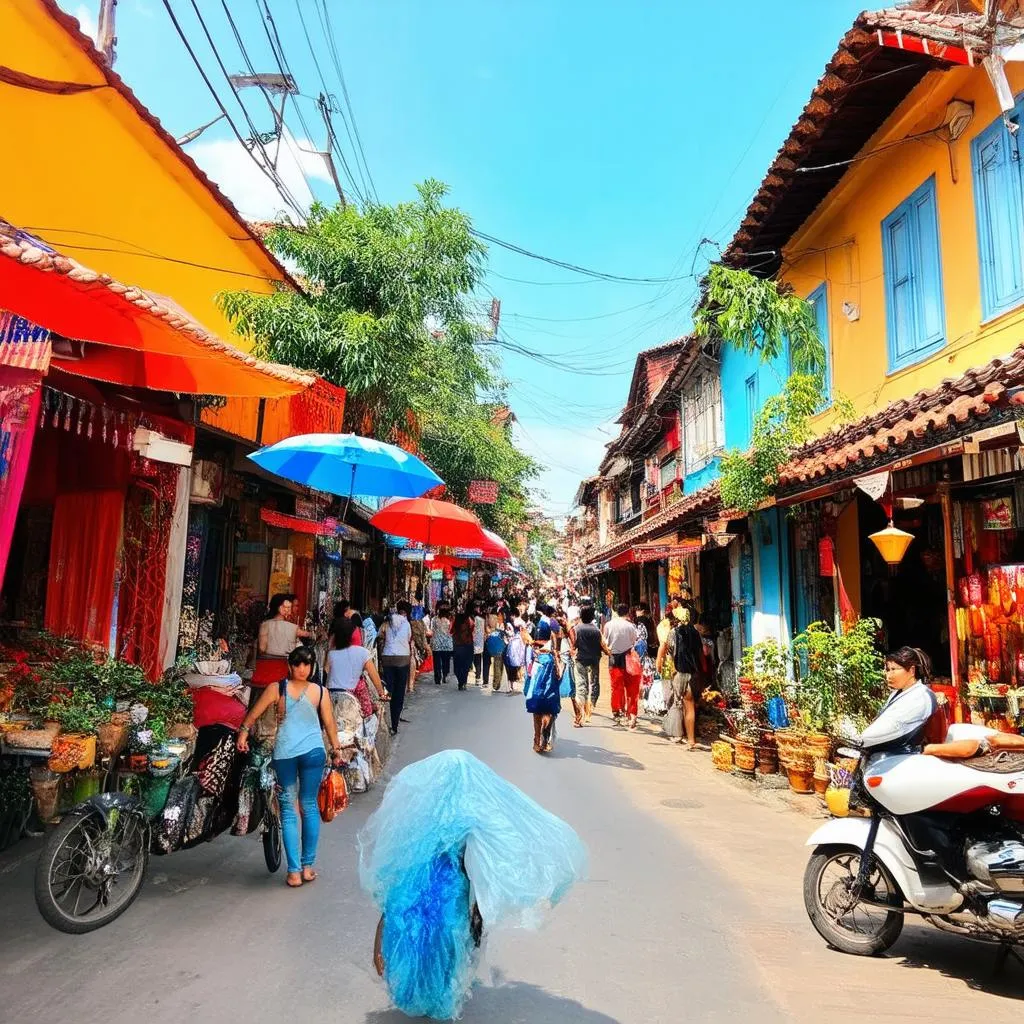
x=347, y=464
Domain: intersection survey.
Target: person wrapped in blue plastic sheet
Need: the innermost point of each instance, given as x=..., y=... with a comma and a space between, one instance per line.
x=454, y=849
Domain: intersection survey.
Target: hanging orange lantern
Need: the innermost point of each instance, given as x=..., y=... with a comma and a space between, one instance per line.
x=892, y=543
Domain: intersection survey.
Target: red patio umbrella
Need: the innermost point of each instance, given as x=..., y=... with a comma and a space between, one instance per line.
x=494, y=546
x=433, y=522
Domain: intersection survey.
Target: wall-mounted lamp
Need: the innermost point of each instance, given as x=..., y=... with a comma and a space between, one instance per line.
x=851, y=311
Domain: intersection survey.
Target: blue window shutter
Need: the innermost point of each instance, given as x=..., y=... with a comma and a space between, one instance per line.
x=915, y=313
x=998, y=209
x=819, y=303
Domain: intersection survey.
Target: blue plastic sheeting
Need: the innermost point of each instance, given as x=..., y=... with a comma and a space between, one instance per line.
x=450, y=832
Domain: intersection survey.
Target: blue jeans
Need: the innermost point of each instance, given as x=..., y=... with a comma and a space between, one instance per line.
x=299, y=779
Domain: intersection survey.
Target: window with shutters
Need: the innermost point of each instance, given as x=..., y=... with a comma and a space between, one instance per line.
x=915, y=315
x=999, y=211
x=703, y=430
x=818, y=301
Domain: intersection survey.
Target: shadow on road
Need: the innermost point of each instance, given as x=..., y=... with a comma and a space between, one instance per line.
x=513, y=1001
x=565, y=748
x=965, y=960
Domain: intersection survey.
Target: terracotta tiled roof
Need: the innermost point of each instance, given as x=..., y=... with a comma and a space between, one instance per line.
x=951, y=409
x=701, y=502
x=29, y=251
x=861, y=87
x=647, y=423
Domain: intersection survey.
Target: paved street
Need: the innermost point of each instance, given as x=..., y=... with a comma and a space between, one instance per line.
x=693, y=911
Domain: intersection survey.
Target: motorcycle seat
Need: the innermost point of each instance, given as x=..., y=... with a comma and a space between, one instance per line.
x=1004, y=757
x=999, y=762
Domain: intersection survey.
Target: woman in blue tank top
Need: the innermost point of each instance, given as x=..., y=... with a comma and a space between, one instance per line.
x=304, y=714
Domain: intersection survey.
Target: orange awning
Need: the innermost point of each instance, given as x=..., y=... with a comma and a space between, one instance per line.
x=138, y=340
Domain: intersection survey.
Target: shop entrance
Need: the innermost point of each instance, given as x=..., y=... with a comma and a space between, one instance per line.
x=910, y=599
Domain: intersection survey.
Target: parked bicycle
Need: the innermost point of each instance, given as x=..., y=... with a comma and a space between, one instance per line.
x=93, y=864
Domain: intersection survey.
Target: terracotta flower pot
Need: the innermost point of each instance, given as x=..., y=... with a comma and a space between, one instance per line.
x=45, y=788
x=801, y=780
x=767, y=760
x=111, y=738
x=745, y=756
x=819, y=744
x=820, y=785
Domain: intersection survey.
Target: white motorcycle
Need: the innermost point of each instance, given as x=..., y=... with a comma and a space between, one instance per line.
x=943, y=839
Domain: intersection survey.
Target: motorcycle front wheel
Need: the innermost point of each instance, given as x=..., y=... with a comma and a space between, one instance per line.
x=843, y=922
x=91, y=869
x=272, y=845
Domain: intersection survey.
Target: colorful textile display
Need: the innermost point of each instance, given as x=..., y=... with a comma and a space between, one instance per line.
x=450, y=831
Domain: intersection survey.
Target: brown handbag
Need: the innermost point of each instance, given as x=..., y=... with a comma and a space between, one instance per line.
x=332, y=797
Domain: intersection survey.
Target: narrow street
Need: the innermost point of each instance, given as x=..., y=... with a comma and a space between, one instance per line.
x=693, y=911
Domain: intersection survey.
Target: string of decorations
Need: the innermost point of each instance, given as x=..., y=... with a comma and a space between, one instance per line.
x=60, y=410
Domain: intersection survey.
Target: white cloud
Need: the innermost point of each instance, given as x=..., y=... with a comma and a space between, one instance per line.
x=234, y=169
x=86, y=20
x=569, y=454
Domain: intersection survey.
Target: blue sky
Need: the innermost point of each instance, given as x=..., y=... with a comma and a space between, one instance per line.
x=613, y=136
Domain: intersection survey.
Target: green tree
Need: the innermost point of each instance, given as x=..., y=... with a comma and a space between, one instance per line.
x=385, y=313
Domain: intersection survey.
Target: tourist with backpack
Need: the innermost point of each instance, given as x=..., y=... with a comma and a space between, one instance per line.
x=304, y=715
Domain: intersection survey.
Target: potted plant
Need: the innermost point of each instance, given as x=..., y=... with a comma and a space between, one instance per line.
x=78, y=714
x=841, y=680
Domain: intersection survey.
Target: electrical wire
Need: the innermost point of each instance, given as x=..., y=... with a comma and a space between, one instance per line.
x=220, y=105
x=332, y=48
x=283, y=189
x=599, y=274
x=326, y=109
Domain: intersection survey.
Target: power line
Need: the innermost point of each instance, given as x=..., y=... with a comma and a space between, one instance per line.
x=600, y=274
x=213, y=92
x=326, y=108
x=257, y=140
x=332, y=47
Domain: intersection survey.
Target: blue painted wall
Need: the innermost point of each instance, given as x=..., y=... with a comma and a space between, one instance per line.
x=771, y=575
x=695, y=481
x=738, y=368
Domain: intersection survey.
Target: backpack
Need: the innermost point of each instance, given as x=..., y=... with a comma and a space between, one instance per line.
x=515, y=652
x=495, y=644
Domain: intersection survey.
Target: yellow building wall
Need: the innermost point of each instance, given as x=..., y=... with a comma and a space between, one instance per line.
x=87, y=173
x=841, y=243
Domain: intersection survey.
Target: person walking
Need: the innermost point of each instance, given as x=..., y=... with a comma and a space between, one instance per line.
x=495, y=645
x=479, y=635
x=685, y=647
x=304, y=714
x=462, y=647
x=441, y=643
x=620, y=638
x=395, y=658
x=589, y=646
x=278, y=637
x=543, y=699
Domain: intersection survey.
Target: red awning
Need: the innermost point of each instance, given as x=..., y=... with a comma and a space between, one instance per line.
x=138, y=339
x=323, y=528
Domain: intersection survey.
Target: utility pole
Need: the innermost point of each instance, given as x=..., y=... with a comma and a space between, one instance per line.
x=328, y=157
x=106, y=39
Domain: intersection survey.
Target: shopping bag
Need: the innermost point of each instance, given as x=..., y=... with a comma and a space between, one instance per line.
x=567, y=682
x=655, y=703
x=633, y=666
x=332, y=797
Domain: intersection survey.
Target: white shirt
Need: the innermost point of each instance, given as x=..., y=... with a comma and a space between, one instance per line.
x=904, y=713
x=345, y=667
x=397, y=635
x=620, y=635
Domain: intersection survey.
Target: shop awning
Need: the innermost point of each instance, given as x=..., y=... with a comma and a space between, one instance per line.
x=638, y=554
x=132, y=338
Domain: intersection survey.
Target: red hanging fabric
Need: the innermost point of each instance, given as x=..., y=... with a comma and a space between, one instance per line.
x=302, y=582
x=83, y=558
x=20, y=395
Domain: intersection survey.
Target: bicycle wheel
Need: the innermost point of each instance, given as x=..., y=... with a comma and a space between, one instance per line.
x=273, y=848
x=91, y=869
